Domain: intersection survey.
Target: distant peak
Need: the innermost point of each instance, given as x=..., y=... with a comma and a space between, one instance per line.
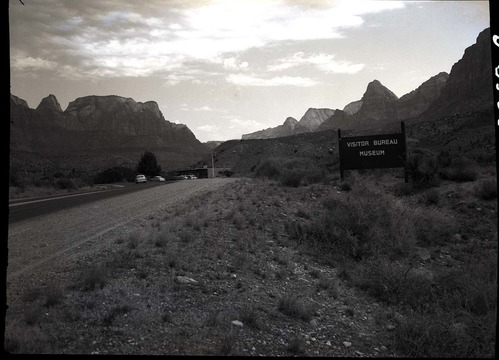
x=375, y=87
x=375, y=83
x=50, y=103
x=290, y=120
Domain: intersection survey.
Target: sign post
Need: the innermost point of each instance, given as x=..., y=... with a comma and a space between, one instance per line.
x=339, y=147
x=373, y=151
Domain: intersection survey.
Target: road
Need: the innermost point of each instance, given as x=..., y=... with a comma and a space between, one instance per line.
x=39, y=245
x=21, y=209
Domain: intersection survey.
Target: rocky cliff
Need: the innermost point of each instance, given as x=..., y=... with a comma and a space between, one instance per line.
x=291, y=126
x=353, y=107
x=469, y=86
x=380, y=106
x=309, y=122
x=108, y=127
x=313, y=118
x=417, y=101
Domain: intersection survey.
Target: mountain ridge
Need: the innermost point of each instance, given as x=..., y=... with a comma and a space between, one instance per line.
x=111, y=126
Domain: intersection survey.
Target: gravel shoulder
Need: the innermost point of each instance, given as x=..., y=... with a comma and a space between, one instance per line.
x=44, y=244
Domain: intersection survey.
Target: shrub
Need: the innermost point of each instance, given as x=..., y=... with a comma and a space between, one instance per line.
x=423, y=168
x=227, y=173
x=363, y=224
x=66, y=184
x=249, y=317
x=292, y=306
x=345, y=186
x=291, y=178
x=431, y=226
x=114, y=312
x=296, y=345
x=431, y=197
x=460, y=170
x=227, y=347
x=20, y=339
x=94, y=277
x=133, y=241
x=53, y=296
x=268, y=168
x=487, y=190
x=115, y=174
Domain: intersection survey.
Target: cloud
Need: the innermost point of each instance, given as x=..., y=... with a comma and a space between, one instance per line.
x=209, y=109
x=323, y=62
x=246, y=80
x=30, y=63
x=232, y=63
x=207, y=128
x=244, y=125
x=130, y=38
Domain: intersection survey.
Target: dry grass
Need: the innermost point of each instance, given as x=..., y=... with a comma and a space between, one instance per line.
x=272, y=256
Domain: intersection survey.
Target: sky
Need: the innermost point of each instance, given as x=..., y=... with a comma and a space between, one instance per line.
x=231, y=67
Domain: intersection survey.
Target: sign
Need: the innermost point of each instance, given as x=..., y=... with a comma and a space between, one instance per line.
x=373, y=151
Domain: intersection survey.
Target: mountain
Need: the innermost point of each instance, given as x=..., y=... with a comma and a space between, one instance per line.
x=98, y=131
x=417, y=101
x=212, y=144
x=314, y=117
x=378, y=103
x=380, y=106
x=353, y=107
x=290, y=127
x=309, y=122
x=452, y=112
x=469, y=86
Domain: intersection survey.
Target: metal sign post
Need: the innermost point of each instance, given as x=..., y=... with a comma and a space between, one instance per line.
x=339, y=150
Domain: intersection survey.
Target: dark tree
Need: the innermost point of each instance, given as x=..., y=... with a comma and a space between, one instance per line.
x=148, y=165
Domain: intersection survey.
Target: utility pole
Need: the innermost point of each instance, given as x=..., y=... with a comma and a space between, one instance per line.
x=212, y=165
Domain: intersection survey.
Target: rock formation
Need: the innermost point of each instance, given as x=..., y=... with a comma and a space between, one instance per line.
x=290, y=127
x=309, y=122
x=469, y=86
x=105, y=126
x=314, y=117
x=417, y=101
x=353, y=107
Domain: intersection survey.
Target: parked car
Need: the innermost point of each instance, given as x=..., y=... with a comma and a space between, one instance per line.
x=158, y=178
x=191, y=177
x=140, y=179
x=180, y=177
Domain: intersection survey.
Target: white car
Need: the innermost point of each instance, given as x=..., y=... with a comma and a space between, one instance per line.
x=158, y=178
x=140, y=179
x=191, y=177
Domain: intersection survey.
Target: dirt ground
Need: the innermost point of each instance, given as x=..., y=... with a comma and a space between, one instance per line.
x=219, y=274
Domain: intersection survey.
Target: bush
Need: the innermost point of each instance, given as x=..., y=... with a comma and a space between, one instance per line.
x=291, y=178
x=423, y=169
x=460, y=170
x=66, y=184
x=487, y=190
x=268, y=168
x=431, y=197
x=292, y=306
x=94, y=277
x=290, y=172
x=363, y=224
x=345, y=186
x=227, y=173
x=115, y=174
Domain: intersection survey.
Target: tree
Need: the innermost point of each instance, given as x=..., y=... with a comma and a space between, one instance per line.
x=148, y=165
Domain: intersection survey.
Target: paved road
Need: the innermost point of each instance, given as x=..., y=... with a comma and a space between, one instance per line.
x=21, y=209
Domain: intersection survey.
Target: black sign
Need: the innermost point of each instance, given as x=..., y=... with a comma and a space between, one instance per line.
x=370, y=152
